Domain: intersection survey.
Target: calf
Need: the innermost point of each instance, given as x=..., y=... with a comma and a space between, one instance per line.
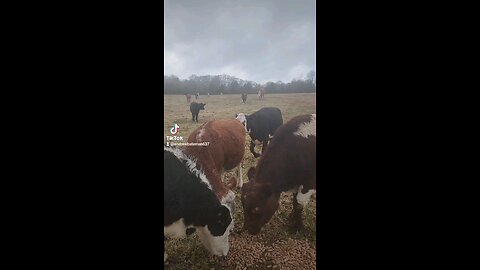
x=244, y=98
x=261, y=126
x=195, y=109
x=190, y=203
x=226, y=146
x=289, y=164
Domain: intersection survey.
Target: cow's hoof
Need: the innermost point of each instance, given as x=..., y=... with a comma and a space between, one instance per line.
x=295, y=228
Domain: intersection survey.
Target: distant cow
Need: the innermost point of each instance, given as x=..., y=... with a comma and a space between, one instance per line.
x=261, y=126
x=197, y=95
x=190, y=203
x=188, y=97
x=244, y=98
x=261, y=94
x=195, y=109
x=225, y=150
x=289, y=164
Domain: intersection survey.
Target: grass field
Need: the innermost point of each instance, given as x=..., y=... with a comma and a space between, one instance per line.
x=275, y=246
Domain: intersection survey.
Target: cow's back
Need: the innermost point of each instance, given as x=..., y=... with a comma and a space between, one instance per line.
x=226, y=138
x=291, y=153
x=265, y=119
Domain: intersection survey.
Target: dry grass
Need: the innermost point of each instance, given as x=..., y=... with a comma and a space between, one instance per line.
x=275, y=247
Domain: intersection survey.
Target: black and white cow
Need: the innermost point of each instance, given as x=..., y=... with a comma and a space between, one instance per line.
x=261, y=126
x=190, y=203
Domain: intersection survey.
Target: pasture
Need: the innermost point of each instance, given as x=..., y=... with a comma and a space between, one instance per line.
x=276, y=247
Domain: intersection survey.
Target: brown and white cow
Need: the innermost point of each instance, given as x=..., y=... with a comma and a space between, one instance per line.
x=288, y=164
x=224, y=152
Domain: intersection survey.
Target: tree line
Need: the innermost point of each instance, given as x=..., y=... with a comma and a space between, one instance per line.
x=216, y=84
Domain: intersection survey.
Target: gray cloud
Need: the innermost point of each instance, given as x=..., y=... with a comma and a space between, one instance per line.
x=258, y=40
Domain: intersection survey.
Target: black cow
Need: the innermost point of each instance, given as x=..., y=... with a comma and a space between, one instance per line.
x=195, y=109
x=261, y=126
x=244, y=98
x=190, y=204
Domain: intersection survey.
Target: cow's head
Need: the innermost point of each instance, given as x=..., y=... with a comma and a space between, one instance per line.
x=201, y=106
x=259, y=202
x=214, y=235
x=242, y=118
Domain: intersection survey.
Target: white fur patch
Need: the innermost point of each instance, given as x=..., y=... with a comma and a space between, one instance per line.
x=243, y=119
x=230, y=197
x=270, y=136
x=217, y=245
x=239, y=172
x=200, y=134
x=176, y=229
x=303, y=199
x=191, y=163
x=308, y=128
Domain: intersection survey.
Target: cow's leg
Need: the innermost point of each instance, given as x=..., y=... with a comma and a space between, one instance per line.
x=252, y=149
x=296, y=215
x=265, y=144
x=193, y=117
x=239, y=175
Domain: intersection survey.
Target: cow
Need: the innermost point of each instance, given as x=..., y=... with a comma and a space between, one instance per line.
x=188, y=97
x=195, y=110
x=261, y=93
x=224, y=152
x=261, y=126
x=197, y=95
x=289, y=164
x=244, y=98
x=190, y=204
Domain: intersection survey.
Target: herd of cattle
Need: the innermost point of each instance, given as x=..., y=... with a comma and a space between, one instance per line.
x=197, y=199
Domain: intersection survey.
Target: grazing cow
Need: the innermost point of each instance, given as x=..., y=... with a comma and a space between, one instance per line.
x=190, y=203
x=195, y=110
x=261, y=126
x=244, y=98
x=188, y=97
x=261, y=94
x=226, y=146
x=289, y=164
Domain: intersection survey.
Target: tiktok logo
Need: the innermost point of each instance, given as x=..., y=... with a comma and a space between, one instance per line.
x=174, y=130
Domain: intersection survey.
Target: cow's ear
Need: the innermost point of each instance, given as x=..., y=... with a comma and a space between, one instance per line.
x=251, y=174
x=236, y=115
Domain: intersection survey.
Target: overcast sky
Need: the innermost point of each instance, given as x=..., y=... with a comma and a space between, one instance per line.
x=257, y=40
